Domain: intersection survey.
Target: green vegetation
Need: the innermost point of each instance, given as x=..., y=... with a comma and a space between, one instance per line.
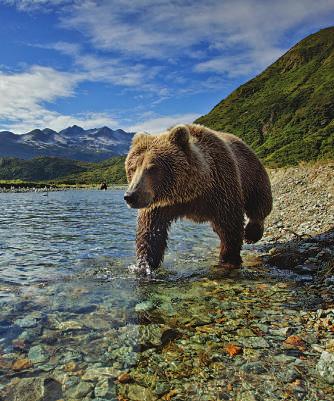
x=110, y=171
x=38, y=169
x=58, y=171
x=286, y=114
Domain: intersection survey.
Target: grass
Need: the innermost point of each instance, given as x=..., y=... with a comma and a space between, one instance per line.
x=286, y=114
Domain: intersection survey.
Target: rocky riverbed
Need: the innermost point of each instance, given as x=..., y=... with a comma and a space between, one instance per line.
x=265, y=332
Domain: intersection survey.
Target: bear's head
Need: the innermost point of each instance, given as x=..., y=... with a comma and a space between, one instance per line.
x=159, y=168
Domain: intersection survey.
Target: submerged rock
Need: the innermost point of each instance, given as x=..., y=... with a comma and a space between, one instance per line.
x=34, y=389
x=26, y=322
x=105, y=388
x=80, y=390
x=138, y=393
x=99, y=372
x=37, y=354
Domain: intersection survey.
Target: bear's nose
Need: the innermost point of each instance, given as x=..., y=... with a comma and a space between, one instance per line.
x=130, y=197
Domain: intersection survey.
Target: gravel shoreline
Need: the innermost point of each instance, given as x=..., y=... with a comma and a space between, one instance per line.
x=303, y=201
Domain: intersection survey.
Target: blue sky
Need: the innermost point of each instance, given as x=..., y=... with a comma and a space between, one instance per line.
x=138, y=65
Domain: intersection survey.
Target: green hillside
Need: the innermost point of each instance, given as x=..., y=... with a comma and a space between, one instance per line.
x=63, y=171
x=110, y=171
x=38, y=169
x=287, y=112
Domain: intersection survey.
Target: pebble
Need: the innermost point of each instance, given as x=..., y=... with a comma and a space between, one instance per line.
x=254, y=368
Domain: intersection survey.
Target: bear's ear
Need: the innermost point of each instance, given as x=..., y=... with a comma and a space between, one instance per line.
x=140, y=137
x=180, y=135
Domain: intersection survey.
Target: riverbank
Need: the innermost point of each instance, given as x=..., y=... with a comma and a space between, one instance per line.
x=22, y=187
x=299, y=236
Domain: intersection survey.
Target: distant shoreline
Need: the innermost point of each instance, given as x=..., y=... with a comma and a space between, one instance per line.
x=23, y=187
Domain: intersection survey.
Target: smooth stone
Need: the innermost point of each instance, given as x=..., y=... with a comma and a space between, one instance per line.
x=26, y=322
x=281, y=332
x=144, y=306
x=98, y=373
x=253, y=342
x=138, y=393
x=37, y=354
x=69, y=325
x=36, y=389
x=30, y=334
x=253, y=367
x=325, y=366
x=245, y=333
x=284, y=358
x=80, y=390
x=95, y=322
x=105, y=388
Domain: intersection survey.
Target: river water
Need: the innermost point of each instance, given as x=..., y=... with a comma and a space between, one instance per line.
x=76, y=323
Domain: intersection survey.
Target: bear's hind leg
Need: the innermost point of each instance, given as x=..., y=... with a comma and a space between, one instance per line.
x=231, y=242
x=254, y=231
x=257, y=207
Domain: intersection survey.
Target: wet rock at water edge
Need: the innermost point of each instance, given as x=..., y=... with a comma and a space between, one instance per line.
x=100, y=372
x=69, y=325
x=136, y=392
x=80, y=390
x=144, y=306
x=34, y=389
x=105, y=388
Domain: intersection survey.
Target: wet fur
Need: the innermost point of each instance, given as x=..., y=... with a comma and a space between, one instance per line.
x=202, y=175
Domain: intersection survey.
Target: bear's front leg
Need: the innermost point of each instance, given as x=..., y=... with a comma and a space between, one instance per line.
x=231, y=236
x=151, y=239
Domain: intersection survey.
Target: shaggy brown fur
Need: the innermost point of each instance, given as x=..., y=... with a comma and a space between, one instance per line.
x=193, y=172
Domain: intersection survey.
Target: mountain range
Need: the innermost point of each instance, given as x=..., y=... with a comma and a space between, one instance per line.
x=71, y=143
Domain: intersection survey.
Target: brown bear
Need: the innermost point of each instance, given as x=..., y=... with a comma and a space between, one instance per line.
x=193, y=172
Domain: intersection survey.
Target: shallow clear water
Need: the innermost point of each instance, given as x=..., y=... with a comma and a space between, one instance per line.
x=46, y=237
x=74, y=317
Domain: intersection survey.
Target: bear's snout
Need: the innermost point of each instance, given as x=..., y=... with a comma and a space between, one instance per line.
x=137, y=199
x=130, y=197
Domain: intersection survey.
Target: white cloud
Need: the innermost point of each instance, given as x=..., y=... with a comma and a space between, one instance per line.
x=161, y=29
x=215, y=33
x=241, y=65
x=135, y=40
x=107, y=69
x=29, y=5
x=22, y=104
x=161, y=123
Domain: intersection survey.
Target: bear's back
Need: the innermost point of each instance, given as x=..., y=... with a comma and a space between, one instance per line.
x=251, y=170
